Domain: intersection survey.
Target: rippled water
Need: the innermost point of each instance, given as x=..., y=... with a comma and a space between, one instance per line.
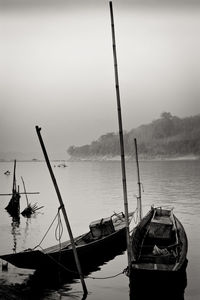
x=90, y=191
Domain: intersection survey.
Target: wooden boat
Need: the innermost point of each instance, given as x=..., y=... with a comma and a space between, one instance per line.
x=159, y=242
x=103, y=236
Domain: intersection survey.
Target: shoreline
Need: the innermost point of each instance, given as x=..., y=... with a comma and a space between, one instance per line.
x=113, y=158
x=131, y=158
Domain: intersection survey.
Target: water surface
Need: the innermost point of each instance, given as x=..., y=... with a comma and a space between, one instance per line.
x=90, y=191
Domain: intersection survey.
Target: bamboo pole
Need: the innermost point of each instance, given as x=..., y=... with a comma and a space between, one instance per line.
x=139, y=183
x=25, y=190
x=14, y=179
x=63, y=210
x=21, y=193
x=121, y=137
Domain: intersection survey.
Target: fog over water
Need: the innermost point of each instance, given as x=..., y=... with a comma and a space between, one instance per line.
x=57, y=68
x=90, y=191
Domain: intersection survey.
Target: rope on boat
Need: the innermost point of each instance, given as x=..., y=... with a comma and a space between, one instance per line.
x=58, y=214
x=58, y=263
x=108, y=277
x=135, y=216
x=58, y=235
x=75, y=272
x=59, y=228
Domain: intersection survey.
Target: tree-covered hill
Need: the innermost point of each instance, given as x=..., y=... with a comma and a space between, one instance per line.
x=168, y=136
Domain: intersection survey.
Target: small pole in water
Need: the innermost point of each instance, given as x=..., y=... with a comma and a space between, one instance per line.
x=14, y=179
x=121, y=138
x=25, y=190
x=63, y=210
x=139, y=183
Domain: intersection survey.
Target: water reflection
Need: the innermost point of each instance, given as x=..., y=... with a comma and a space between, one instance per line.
x=13, y=207
x=15, y=231
x=158, y=286
x=26, y=232
x=58, y=279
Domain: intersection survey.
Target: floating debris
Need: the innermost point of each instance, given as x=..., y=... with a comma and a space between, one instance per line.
x=62, y=165
x=30, y=209
x=13, y=207
x=7, y=172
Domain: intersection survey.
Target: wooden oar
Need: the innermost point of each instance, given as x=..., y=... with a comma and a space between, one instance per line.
x=38, y=129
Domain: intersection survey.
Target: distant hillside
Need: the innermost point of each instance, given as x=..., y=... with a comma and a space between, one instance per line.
x=168, y=136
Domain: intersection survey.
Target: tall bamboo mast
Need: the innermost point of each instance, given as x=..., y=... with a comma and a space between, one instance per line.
x=139, y=183
x=14, y=188
x=121, y=137
x=63, y=211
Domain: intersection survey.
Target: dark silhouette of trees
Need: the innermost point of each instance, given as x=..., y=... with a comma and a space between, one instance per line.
x=166, y=136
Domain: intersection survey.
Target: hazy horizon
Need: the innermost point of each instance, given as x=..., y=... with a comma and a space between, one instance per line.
x=57, y=68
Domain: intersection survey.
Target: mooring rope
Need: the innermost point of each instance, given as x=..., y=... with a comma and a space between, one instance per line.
x=59, y=228
x=135, y=216
x=58, y=235
x=108, y=277
x=58, y=213
x=75, y=272
x=57, y=262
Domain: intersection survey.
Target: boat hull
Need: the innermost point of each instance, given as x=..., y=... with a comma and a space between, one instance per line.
x=158, y=285
x=97, y=251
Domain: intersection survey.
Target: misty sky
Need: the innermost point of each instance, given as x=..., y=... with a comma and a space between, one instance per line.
x=56, y=68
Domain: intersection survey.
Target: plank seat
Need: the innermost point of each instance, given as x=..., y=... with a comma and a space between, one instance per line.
x=158, y=259
x=162, y=220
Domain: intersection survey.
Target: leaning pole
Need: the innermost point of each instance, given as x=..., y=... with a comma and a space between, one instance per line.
x=38, y=129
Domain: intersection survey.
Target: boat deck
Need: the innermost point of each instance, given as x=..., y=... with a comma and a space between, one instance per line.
x=84, y=239
x=165, y=220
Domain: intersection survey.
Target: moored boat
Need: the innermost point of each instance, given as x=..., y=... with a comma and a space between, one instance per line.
x=159, y=242
x=103, y=236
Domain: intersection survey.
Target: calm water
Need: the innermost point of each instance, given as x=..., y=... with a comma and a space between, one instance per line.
x=90, y=191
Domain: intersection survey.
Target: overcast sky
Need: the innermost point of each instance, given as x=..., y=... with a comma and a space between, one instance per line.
x=56, y=68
